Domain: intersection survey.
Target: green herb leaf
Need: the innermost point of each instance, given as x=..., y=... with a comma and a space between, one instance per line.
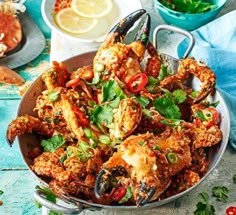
x=53, y=96
x=189, y=6
x=234, y=179
x=163, y=72
x=167, y=108
x=111, y=90
x=102, y=115
x=1, y=192
x=50, y=196
x=179, y=96
x=143, y=101
x=141, y=143
x=214, y=104
x=221, y=193
x=53, y=143
x=152, y=83
x=54, y=213
x=203, y=206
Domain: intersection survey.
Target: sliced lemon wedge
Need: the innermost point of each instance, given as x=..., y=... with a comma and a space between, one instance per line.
x=92, y=8
x=68, y=20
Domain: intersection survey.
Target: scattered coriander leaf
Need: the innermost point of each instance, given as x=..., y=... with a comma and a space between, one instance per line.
x=54, y=213
x=234, y=178
x=1, y=192
x=53, y=143
x=203, y=206
x=221, y=193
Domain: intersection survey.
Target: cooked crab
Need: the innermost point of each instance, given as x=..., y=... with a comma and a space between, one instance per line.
x=145, y=163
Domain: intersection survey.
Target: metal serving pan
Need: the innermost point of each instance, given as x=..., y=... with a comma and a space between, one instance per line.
x=73, y=205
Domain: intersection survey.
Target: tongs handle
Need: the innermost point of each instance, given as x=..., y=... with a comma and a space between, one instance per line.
x=176, y=30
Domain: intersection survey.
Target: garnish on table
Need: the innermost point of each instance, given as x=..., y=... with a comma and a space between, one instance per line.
x=1, y=192
x=204, y=206
x=188, y=6
x=221, y=193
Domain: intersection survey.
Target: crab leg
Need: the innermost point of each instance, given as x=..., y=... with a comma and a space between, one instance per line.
x=26, y=124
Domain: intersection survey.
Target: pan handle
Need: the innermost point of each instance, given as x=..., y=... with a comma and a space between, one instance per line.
x=40, y=198
x=176, y=30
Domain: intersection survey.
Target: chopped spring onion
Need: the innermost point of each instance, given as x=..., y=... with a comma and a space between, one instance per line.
x=172, y=158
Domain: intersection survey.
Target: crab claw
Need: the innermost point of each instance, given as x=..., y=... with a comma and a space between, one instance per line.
x=105, y=178
x=119, y=31
x=26, y=124
x=145, y=194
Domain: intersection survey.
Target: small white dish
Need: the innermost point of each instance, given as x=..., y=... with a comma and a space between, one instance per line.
x=121, y=8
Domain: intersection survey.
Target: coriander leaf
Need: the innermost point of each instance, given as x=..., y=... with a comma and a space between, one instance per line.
x=234, y=179
x=179, y=96
x=84, y=151
x=50, y=196
x=221, y=193
x=111, y=90
x=143, y=101
x=152, y=83
x=102, y=115
x=194, y=94
x=200, y=115
x=53, y=143
x=214, y=104
x=163, y=72
x=1, y=192
x=54, y=213
x=167, y=108
x=203, y=206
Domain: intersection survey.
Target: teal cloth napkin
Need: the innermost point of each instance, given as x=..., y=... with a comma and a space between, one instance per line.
x=216, y=46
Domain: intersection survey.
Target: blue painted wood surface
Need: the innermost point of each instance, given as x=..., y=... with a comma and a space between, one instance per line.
x=18, y=183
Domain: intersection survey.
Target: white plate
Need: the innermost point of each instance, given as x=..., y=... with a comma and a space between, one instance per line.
x=121, y=8
x=32, y=44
